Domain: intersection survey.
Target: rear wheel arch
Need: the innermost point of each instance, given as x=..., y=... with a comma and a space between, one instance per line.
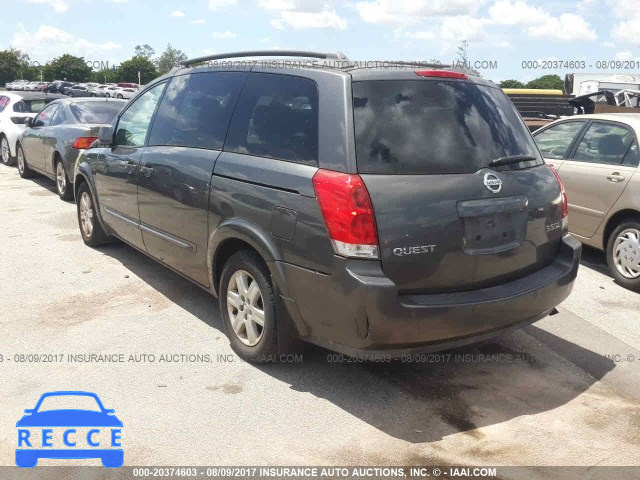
x=237, y=235
x=615, y=220
x=55, y=158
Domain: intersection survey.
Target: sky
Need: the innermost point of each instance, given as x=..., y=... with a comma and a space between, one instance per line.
x=506, y=38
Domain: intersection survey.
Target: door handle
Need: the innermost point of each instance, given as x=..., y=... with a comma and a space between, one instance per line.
x=146, y=171
x=616, y=177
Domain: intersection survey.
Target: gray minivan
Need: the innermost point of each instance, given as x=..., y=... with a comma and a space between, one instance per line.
x=371, y=211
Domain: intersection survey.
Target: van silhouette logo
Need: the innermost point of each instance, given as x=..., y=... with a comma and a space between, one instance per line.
x=48, y=431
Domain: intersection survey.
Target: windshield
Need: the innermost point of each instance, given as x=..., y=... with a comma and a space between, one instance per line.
x=96, y=112
x=69, y=402
x=434, y=127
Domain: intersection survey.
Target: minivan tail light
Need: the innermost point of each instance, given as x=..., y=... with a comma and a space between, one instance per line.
x=82, y=143
x=563, y=192
x=348, y=213
x=441, y=74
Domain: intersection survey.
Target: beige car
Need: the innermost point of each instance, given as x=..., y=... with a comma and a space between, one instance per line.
x=597, y=158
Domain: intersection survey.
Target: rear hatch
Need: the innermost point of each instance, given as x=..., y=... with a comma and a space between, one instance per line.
x=447, y=218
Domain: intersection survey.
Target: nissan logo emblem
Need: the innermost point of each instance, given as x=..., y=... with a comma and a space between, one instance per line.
x=492, y=182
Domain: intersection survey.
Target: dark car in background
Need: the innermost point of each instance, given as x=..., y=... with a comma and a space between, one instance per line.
x=369, y=211
x=51, y=142
x=58, y=86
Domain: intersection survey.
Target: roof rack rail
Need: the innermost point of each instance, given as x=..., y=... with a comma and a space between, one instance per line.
x=267, y=53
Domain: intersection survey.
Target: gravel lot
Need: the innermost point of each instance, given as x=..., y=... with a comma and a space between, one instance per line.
x=558, y=401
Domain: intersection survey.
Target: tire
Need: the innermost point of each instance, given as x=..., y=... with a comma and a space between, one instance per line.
x=63, y=186
x=252, y=342
x=5, y=151
x=623, y=254
x=120, y=96
x=71, y=94
x=90, y=227
x=23, y=167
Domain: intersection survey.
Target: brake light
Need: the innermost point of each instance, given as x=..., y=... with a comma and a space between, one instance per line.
x=441, y=74
x=563, y=192
x=348, y=213
x=83, y=143
x=19, y=120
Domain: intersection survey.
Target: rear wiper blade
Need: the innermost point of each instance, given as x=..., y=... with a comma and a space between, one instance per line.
x=499, y=162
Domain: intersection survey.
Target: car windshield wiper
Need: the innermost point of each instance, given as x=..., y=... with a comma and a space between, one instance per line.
x=499, y=162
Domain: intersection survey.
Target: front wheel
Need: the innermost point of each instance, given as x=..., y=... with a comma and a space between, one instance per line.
x=120, y=96
x=248, y=307
x=90, y=228
x=23, y=167
x=623, y=254
x=62, y=182
x=5, y=152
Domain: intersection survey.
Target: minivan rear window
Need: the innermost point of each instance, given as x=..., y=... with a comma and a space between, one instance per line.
x=423, y=126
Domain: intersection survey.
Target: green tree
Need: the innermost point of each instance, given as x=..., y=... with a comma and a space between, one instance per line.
x=128, y=71
x=169, y=58
x=108, y=75
x=512, y=84
x=13, y=65
x=69, y=67
x=463, y=54
x=145, y=51
x=553, y=82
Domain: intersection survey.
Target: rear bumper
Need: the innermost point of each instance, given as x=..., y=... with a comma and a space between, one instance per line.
x=357, y=310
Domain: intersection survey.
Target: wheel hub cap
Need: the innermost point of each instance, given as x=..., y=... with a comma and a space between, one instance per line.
x=626, y=253
x=246, y=308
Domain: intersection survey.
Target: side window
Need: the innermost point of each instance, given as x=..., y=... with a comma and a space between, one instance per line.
x=606, y=143
x=60, y=117
x=134, y=122
x=196, y=109
x=555, y=141
x=44, y=117
x=276, y=117
x=631, y=158
x=4, y=101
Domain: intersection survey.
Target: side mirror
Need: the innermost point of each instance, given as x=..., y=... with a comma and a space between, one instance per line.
x=105, y=135
x=28, y=122
x=29, y=410
x=109, y=411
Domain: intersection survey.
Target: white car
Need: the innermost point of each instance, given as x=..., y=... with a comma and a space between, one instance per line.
x=126, y=93
x=15, y=108
x=17, y=85
x=111, y=91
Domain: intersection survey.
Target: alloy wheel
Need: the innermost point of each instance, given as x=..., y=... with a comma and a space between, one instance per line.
x=4, y=150
x=246, y=308
x=61, y=178
x=86, y=214
x=20, y=161
x=626, y=253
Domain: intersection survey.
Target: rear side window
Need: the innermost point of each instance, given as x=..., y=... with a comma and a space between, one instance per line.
x=604, y=143
x=276, y=117
x=30, y=106
x=195, y=110
x=96, y=112
x=434, y=127
x=554, y=142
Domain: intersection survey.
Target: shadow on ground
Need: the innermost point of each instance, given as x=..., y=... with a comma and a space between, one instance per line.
x=460, y=390
x=595, y=259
